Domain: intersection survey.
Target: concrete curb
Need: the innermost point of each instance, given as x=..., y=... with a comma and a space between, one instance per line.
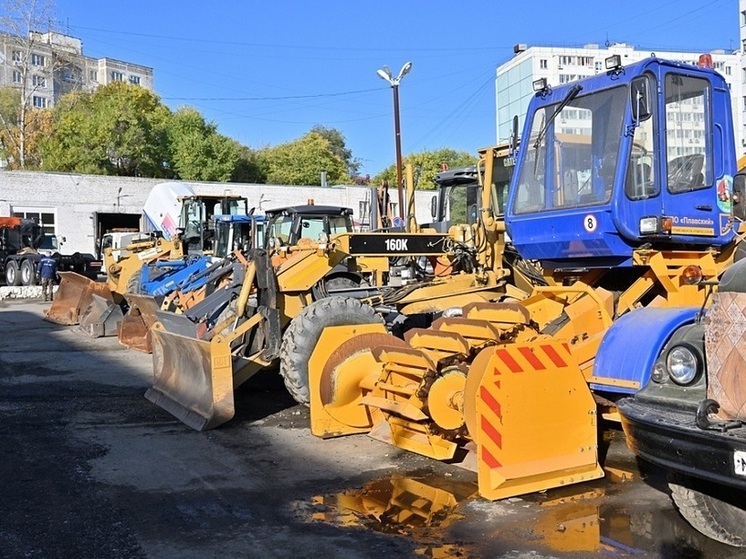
x=22, y=292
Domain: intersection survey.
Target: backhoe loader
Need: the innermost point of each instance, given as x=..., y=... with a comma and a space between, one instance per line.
x=628, y=224
x=181, y=223
x=283, y=297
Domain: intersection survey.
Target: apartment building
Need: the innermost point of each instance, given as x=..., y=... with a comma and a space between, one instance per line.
x=563, y=64
x=52, y=64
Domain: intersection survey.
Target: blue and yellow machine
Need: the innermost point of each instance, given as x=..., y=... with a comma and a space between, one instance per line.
x=623, y=194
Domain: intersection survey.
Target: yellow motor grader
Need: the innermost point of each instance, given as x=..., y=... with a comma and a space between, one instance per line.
x=628, y=226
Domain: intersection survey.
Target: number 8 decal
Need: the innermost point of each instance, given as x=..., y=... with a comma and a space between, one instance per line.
x=590, y=223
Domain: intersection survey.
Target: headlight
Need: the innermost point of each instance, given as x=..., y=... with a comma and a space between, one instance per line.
x=682, y=364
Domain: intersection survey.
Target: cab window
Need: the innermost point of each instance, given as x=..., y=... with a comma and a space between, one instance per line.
x=688, y=145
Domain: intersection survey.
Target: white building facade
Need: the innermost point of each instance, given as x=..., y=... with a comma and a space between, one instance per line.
x=561, y=65
x=79, y=209
x=53, y=64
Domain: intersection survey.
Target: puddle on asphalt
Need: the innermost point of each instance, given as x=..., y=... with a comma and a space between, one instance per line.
x=568, y=521
x=417, y=506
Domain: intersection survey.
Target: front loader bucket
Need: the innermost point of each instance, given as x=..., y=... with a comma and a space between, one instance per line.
x=102, y=316
x=74, y=296
x=192, y=378
x=134, y=329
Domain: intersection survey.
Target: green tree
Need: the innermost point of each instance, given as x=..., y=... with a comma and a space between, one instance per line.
x=198, y=152
x=250, y=166
x=303, y=160
x=339, y=148
x=427, y=164
x=21, y=21
x=120, y=129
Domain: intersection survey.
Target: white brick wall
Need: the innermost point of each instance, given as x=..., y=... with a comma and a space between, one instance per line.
x=75, y=198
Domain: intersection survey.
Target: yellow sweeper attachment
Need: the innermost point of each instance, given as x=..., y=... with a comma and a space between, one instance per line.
x=74, y=296
x=469, y=389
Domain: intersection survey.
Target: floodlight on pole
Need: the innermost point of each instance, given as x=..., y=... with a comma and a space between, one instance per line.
x=385, y=74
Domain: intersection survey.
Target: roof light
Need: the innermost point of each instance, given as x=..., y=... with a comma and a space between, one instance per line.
x=540, y=85
x=614, y=62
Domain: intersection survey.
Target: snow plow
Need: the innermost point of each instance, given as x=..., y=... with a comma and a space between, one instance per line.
x=629, y=228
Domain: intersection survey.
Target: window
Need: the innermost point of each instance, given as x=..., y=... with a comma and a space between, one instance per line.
x=688, y=166
x=543, y=63
x=135, y=80
x=38, y=60
x=16, y=56
x=117, y=76
x=39, y=81
x=44, y=217
x=93, y=75
x=39, y=102
x=16, y=76
x=639, y=182
x=577, y=170
x=727, y=70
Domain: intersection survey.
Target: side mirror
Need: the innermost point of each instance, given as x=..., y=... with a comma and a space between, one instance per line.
x=434, y=207
x=640, y=99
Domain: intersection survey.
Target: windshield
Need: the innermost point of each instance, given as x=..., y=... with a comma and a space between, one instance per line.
x=572, y=162
x=48, y=242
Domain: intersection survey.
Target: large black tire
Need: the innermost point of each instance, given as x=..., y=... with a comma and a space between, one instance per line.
x=134, y=283
x=12, y=273
x=303, y=333
x=28, y=273
x=710, y=509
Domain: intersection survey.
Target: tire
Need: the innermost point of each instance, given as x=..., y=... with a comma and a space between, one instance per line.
x=28, y=273
x=303, y=333
x=134, y=283
x=12, y=273
x=709, y=509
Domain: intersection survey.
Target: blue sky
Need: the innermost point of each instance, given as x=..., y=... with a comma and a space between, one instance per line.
x=266, y=71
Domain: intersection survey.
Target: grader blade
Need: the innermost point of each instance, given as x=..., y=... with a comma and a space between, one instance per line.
x=74, y=296
x=192, y=378
x=134, y=329
x=533, y=418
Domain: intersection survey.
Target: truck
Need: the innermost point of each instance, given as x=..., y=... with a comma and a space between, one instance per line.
x=23, y=243
x=690, y=420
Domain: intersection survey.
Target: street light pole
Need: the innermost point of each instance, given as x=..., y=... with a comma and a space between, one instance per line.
x=397, y=134
x=385, y=73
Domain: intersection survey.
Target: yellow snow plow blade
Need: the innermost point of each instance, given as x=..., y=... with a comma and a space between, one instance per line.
x=523, y=443
x=134, y=329
x=192, y=378
x=74, y=296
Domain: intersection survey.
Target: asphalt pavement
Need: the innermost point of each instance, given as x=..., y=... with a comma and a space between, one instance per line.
x=90, y=468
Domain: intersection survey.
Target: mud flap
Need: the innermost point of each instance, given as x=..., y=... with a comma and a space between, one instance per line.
x=74, y=295
x=102, y=317
x=134, y=329
x=535, y=424
x=192, y=378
